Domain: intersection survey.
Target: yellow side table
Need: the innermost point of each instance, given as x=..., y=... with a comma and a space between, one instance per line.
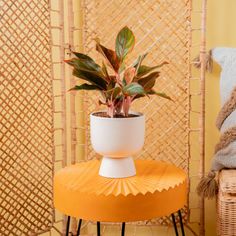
x=158, y=189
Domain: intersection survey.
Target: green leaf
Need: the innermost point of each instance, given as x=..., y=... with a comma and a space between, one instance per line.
x=160, y=94
x=133, y=89
x=109, y=55
x=149, y=81
x=110, y=88
x=122, y=67
x=139, y=61
x=82, y=56
x=86, y=65
x=116, y=92
x=91, y=77
x=104, y=69
x=144, y=70
x=139, y=96
x=105, y=72
x=112, y=83
x=129, y=75
x=112, y=93
x=85, y=87
x=149, y=85
x=125, y=41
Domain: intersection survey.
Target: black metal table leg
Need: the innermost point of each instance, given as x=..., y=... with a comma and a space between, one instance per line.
x=123, y=229
x=79, y=227
x=174, y=223
x=68, y=226
x=181, y=223
x=98, y=229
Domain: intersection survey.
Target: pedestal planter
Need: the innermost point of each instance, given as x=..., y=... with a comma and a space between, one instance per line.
x=117, y=140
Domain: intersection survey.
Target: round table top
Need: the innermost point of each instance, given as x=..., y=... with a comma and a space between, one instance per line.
x=158, y=189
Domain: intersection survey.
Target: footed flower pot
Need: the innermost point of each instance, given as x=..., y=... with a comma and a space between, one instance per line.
x=117, y=140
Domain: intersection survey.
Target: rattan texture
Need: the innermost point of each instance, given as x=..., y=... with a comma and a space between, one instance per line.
x=163, y=29
x=26, y=118
x=226, y=203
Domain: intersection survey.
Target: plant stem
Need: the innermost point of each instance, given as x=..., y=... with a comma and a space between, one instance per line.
x=110, y=109
x=126, y=105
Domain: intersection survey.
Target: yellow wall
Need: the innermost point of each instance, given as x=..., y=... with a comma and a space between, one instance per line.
x=220, y=32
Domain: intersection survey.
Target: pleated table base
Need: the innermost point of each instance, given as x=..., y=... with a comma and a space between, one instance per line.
x=158, y=189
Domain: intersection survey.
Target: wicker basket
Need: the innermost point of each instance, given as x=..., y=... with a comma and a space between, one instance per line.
x=226, y=203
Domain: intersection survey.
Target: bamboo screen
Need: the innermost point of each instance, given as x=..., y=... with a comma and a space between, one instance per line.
x=26, y=118
x=40, y=123
x=163, y=29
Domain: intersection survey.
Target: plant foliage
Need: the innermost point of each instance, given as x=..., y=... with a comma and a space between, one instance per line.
x=120, y=87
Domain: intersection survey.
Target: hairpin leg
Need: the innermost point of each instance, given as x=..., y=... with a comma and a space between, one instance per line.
x=98, y=229
x=181, y=222
x=123, y=229
x=174, y=223
x=68, y=226
x=79, y=227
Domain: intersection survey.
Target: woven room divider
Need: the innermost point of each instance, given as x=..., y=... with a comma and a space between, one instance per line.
x=163, y=29
x=26, y=118
x=42, y=126
x=34, y=116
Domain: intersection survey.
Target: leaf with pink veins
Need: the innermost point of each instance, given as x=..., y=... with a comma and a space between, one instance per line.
x=129, y=75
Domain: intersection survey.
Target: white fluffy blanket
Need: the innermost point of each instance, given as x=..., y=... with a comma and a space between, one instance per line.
x=225, y=153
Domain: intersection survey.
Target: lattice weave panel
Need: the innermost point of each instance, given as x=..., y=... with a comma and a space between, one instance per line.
x=162, y=28
x=26, y=118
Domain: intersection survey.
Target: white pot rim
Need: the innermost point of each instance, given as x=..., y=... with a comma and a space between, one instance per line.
x=139, y=115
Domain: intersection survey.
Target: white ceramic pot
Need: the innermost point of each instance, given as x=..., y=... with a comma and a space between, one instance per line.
x=117, y=140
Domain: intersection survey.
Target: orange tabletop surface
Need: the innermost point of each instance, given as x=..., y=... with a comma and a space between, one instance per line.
x=158, y=189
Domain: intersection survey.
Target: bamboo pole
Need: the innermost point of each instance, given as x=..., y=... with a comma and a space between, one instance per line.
x=53, y=103
x=72, y=84
x=63, y=84
x=72, y=97
x=202, y=116
x=63, y=94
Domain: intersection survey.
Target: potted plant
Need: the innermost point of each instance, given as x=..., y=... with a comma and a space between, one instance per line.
x=117, y=133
